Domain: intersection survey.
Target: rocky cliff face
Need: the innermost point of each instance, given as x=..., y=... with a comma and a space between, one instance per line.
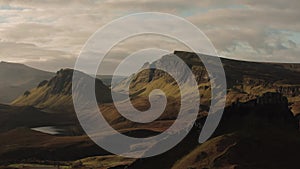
x=62, y=82
x=291, y=91
x=56, y=93
x=270, y=109
x=245, y=80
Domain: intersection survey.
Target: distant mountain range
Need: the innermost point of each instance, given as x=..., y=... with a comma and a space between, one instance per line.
x=107, y=79
x=17, y=78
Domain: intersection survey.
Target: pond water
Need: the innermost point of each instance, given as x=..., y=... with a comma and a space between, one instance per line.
x=48, y=130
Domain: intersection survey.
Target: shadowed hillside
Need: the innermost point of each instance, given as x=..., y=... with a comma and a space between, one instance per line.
x=261, y=133
x=15, y=79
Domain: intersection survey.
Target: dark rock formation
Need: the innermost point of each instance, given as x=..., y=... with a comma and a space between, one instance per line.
x=26, y=93
x=289, y=90
x=253, y=126
x=268, y=110
x=62, y=82
x=43, y=83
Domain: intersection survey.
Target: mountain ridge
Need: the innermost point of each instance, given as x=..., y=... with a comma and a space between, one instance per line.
x=56, y=93
x=16, y=78
x=245, y=80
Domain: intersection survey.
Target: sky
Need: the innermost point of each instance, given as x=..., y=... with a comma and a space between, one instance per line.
x=49, y=34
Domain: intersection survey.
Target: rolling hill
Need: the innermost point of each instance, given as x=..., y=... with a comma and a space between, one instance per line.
x=17, y=78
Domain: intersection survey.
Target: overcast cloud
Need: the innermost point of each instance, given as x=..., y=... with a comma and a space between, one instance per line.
x=49, y=34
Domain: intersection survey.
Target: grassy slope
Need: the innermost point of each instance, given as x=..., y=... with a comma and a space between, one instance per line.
x=40, y=97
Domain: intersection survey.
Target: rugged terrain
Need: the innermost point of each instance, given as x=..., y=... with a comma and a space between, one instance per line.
x=245, y=80
x=258, y=126
x=261, y=133
x=56, y=93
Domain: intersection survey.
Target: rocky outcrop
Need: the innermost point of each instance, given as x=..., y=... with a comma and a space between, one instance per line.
x=56, y=93
x=43, y=83
x=269, y=110
x=62, y=82
x=289, y=90
x=272, y=99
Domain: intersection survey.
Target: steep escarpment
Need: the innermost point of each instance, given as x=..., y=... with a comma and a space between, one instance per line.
x=267, y=111
x=261, y=133
x=245, y=80
x=56, y=93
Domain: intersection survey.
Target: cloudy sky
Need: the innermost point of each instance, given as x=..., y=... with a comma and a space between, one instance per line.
x=49, y=34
